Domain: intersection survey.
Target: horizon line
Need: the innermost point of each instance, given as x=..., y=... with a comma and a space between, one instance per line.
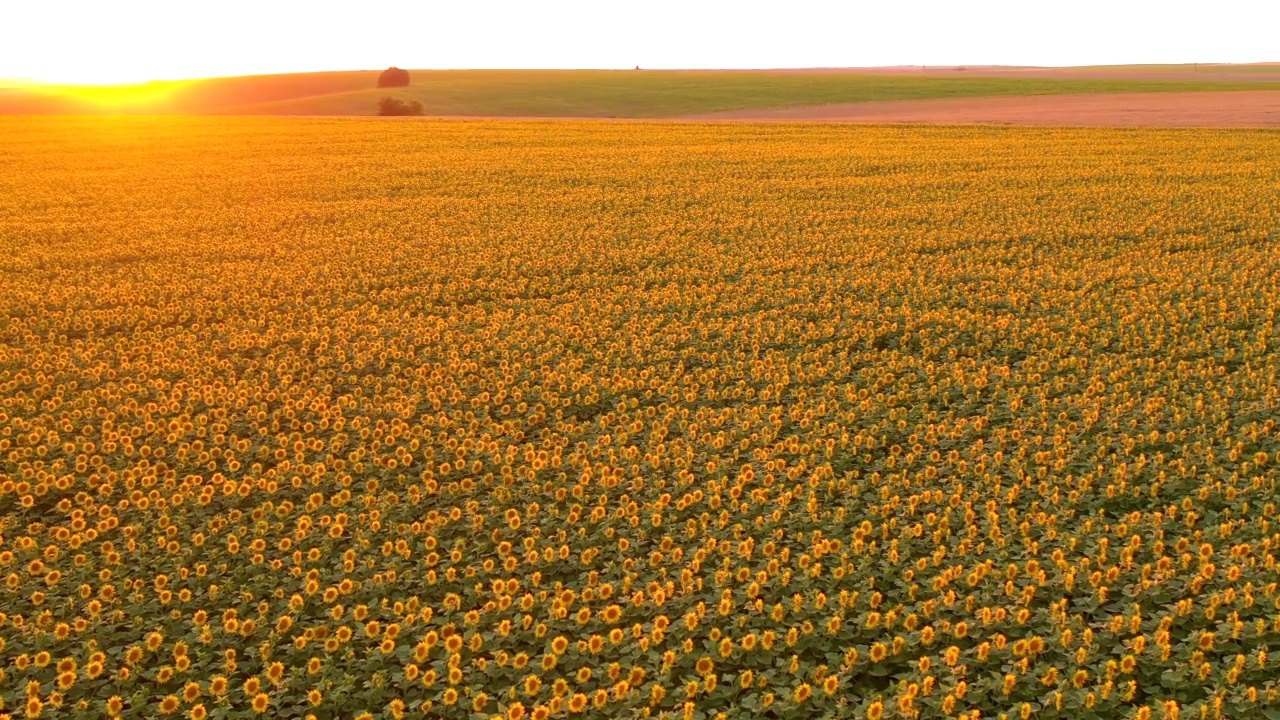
x=11, y=83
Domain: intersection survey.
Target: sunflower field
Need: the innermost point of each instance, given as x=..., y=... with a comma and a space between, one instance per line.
x=461, y=419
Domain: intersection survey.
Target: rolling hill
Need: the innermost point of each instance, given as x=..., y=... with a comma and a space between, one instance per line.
x=610, y=93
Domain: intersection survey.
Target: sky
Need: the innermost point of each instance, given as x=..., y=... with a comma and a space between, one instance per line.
x=118, y=41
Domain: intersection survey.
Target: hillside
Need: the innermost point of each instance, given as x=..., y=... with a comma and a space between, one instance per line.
x=612, y=93
x=196, y=97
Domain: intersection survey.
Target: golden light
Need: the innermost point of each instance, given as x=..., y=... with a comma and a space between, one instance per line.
x=127, y=97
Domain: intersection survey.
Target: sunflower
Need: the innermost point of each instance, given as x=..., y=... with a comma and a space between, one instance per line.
x=532, y=685
x=453, y=643
x=951, y=656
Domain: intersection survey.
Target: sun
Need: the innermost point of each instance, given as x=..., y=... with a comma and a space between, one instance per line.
x=147, y=93
x=106, y=88
x=108, y=96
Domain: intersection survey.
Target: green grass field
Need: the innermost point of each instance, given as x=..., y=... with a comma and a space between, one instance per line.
x=579, y=93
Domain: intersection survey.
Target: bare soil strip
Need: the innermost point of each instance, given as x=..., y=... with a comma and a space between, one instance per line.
x=1246, y=108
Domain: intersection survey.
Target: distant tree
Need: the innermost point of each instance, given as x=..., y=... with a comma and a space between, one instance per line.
x=393, y=77
x=395, y=106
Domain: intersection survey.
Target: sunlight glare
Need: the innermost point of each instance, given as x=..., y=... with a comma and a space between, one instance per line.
x=120, y=97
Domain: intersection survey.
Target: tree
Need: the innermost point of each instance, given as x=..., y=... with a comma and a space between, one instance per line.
x=395, y=106
x=393, y=77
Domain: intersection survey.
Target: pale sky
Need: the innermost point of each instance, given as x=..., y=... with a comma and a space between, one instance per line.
x=104, y=41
